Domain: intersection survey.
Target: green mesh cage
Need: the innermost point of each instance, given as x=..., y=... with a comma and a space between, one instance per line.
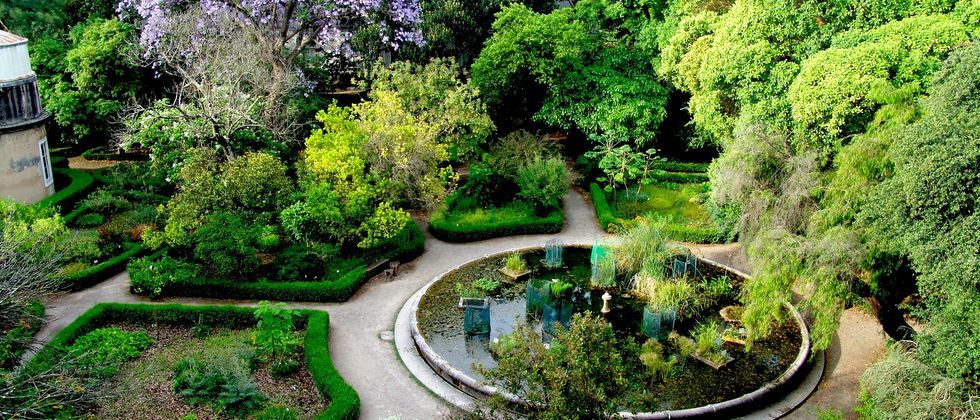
x=476, y=316
x=603, y=266
x=682, y=266
x=657, y=324
x=553, y=253
x=538, y=294
x=556, y=313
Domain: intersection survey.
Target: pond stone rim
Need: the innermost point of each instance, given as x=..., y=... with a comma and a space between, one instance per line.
x=475, y=388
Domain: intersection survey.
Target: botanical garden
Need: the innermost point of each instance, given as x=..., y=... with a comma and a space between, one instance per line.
x=294, y=209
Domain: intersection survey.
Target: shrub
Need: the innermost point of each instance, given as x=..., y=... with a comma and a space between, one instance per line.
x=298, y=262
x=516, y=149
x=222, y=382
x=226, y=244
x=543, y=183
x=152, y=276
x=15, y=341
x=482, y=185
x=102, y=351
x=105, y=202
x=275, y=338
x=122, y=226
x=283, y=368
x=90, y=220
x=83, y=246
x=90, y=275
x=515, y=263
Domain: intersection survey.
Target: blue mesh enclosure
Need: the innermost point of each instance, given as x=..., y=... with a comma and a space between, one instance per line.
x=538, y=294
x=556, y=313
x=657, y=324
x=682, y=265
x=476, y=316
x=553, y=252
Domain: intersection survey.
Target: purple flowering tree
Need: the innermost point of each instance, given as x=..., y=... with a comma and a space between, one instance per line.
x=288, y=27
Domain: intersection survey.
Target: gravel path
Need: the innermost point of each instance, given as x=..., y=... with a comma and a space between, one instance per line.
x=360, y=339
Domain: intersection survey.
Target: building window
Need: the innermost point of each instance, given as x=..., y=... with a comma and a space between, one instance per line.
x=45, y=164
x=19, y=102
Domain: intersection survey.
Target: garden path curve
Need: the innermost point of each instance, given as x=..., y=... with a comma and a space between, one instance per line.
x=360, y=341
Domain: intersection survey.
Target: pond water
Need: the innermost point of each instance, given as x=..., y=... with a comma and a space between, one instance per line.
x=696, y=384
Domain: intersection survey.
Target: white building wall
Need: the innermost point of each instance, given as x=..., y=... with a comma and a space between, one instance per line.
x=15, y=63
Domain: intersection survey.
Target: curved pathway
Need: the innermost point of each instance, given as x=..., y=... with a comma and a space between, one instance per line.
x=360, y=338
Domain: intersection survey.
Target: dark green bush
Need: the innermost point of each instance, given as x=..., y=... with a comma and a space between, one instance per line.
x=227, y=245
x=90, y=220
x=283, y=368
x=299, y=262
x=101, y=351
x=699, y=235
x=106, y=202
x=154, y=276
x=99, y=272
x=344, y=402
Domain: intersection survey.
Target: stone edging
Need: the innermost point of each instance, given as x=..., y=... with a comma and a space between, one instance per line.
x=475, y=388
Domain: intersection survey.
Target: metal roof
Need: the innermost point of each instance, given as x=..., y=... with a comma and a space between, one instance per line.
x=7, y=38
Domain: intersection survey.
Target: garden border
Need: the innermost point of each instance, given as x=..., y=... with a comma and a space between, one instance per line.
x=449, y=232
x=677, y=232
x=343, y=401
x=339, y=289
x=81, y=182
x=464, y=383
x=99, y=272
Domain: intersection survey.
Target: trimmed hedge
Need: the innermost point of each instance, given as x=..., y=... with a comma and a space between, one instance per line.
x=81, y=183
x=672, y=166
x=407, y=245
x=607, y=220
x=343, y=400
x=452, y=232
x=96, y=273
x=680, y=177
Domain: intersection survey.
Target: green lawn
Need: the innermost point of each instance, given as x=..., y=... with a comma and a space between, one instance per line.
x=680, y=205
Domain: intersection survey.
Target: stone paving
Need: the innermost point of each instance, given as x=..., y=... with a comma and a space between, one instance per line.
x=360, y=341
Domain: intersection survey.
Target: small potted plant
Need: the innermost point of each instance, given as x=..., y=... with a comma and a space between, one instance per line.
x=732, y=314
x=710, y=346
x=514, y=267
x=734, y=335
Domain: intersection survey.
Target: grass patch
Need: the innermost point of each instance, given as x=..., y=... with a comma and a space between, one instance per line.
x=678, y=204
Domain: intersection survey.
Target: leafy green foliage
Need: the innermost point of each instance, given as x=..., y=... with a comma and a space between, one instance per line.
x=435, y=94
x=105, y=349
x=227, y=245
x=580, y=375
x=98, y=82
x=153, y=276
x=464, y=222
x=275, y=337
x=222, y=382
x=543, y=183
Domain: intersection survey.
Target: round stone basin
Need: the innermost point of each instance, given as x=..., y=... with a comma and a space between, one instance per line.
x=753, y=375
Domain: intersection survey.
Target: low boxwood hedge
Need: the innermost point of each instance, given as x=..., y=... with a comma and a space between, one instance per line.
x=96, y=273
x=343, y=400
x=81, y=183
x=672, y=166
x=610, y=223
x=680, y=177
x=531, y=225
x=607, y=220
x=449, y=223
x=407, y=245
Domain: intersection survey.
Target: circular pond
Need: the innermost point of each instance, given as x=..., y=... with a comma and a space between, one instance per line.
x=695, y=388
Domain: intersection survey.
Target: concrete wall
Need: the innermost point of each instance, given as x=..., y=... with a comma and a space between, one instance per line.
x=20, y=176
